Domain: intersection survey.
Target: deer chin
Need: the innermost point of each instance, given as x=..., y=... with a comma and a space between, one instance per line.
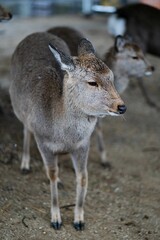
x=113, y=113
x=108, y=113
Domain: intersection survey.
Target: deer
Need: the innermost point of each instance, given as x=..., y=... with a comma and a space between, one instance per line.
x=141, y=22
x=4, y=14
x=58, y=99
x=125, y=58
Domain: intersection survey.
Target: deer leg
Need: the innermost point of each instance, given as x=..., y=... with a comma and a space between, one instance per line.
x=52, y=172
x=101, y=146
x=25, y=164
x=79, y=159
x=145, y=94
x=50, y=160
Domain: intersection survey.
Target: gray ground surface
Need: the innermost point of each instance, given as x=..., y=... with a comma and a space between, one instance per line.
x=121, y=204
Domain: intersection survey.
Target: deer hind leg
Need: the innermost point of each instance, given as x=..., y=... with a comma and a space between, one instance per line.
x=50, y=160
x=79, y=159
x=25, y=164
x=101, y=146
x=52, y=172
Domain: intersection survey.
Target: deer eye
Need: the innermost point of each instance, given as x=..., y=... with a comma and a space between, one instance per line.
x=135, y=57
x=94, y=84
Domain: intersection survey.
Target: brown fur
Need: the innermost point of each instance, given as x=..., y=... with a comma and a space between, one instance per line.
x=52, y=173
x=72, y=38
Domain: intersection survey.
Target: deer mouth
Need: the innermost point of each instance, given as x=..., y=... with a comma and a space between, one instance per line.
x=148, y=73
x=108, y=113
x=121, y=109
x=111, y=113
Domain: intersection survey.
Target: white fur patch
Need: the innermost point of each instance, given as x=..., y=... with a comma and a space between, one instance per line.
x=116, y=26
x=148, y=73
x=114, y=114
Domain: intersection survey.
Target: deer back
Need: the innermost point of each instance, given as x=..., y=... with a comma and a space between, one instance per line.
x=70, y=35
x=4, y=14
x=36, y=75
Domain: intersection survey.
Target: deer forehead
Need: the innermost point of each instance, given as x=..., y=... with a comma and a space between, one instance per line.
x=133, y=48
x=92, y=69
x=94, y=65
x=102, y=79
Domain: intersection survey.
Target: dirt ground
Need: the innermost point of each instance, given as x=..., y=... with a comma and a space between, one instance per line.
x=122, y=203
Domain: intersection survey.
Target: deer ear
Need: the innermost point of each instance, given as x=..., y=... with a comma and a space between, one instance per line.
x=66, y=62
x=85, y=47
x=120, y=41
x=128, y=38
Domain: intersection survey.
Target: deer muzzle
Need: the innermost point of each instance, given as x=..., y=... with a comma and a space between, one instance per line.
x=118, y=107
x=149, y=71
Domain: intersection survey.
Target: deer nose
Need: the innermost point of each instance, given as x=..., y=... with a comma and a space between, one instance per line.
x=122, y=109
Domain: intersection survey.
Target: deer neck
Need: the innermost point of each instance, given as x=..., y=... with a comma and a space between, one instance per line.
x=121, y=80
x=121, y=77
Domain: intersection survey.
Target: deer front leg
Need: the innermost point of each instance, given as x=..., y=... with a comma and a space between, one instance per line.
x=50, y=160
x=25, y=164
x=79, y=159
x=101, y=146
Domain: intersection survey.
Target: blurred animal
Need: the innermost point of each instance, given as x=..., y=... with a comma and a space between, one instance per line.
x=141, y=22
x=70, y=35
x=4, y=14
x=59, y=98
x=125, y=59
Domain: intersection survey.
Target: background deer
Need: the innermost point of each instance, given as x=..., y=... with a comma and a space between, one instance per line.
x=58, y=98
x=125, y=59
x=4, y=14
x=141, y=22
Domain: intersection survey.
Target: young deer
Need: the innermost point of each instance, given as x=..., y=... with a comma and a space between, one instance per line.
x=125, y=59
x=58, y=98
x=4, y=14
x=141, y=22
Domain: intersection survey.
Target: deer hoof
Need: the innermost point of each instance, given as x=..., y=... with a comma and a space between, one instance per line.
x=79, y=226
x=25, y=171
x=56, y=225
x=107, y=165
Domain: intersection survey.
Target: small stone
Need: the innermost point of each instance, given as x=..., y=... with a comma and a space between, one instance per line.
x=116, y=190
